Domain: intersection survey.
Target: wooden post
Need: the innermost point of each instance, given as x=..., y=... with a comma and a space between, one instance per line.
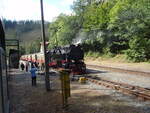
x=65, y=87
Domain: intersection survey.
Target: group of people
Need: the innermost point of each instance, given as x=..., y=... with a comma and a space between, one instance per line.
x=33, y=68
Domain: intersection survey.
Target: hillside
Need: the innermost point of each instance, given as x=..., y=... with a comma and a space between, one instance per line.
x=28, y=33
x=32, y=35
x=25, y=31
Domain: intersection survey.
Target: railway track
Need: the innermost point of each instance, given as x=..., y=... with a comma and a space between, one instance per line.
x=120, y=70
x=139, y=92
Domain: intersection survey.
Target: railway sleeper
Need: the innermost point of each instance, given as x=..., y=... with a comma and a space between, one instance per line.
x=127, y=89
x=135, y=93
x=144, y=94
x=143, y=97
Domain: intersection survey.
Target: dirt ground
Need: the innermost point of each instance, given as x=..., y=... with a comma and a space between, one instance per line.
x=25, y=98
x=84, y=99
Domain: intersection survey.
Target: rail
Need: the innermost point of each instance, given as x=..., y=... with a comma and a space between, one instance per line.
x=140, y=92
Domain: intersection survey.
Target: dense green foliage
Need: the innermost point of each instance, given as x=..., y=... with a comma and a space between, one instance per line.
x=63, y=30
x=109, y=27
x=33, y=47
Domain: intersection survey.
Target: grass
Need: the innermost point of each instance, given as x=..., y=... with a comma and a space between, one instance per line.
x=120, y=58
x=97, y=55
x=93, y=54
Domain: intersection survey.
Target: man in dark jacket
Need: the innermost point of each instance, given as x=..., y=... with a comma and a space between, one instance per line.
x=22, y=66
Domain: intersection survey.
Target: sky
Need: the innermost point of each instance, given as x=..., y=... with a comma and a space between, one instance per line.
x=30, y=9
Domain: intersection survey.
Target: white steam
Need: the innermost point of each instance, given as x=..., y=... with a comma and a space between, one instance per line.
x=80, y=37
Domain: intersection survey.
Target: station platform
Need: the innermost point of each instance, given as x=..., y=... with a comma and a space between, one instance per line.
x=26, y=98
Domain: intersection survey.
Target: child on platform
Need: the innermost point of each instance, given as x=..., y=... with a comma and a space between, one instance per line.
x=33, y=74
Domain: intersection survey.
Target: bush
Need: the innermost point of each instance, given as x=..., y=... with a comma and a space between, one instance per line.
x=92, y=45
x=139, y=49
x=93, y=54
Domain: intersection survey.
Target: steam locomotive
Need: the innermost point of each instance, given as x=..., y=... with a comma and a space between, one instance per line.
x=70, y=57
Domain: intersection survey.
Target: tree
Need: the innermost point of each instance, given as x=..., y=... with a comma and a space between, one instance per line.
x=63, y=30
x=112, y=26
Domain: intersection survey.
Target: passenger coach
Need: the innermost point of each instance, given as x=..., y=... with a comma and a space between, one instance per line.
x=4, y=100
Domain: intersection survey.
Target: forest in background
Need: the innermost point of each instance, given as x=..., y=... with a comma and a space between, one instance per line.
x=103, y=27
x=106, y=27
x=28, y=33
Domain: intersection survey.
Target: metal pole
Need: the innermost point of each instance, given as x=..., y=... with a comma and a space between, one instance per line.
x=18, y=52
x=45, y=54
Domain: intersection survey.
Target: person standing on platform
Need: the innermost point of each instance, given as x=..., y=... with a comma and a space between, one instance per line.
x=27, y=65
x=22, y=66
x=33, y=74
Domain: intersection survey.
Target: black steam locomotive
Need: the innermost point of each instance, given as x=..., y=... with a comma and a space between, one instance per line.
x=68, y=57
